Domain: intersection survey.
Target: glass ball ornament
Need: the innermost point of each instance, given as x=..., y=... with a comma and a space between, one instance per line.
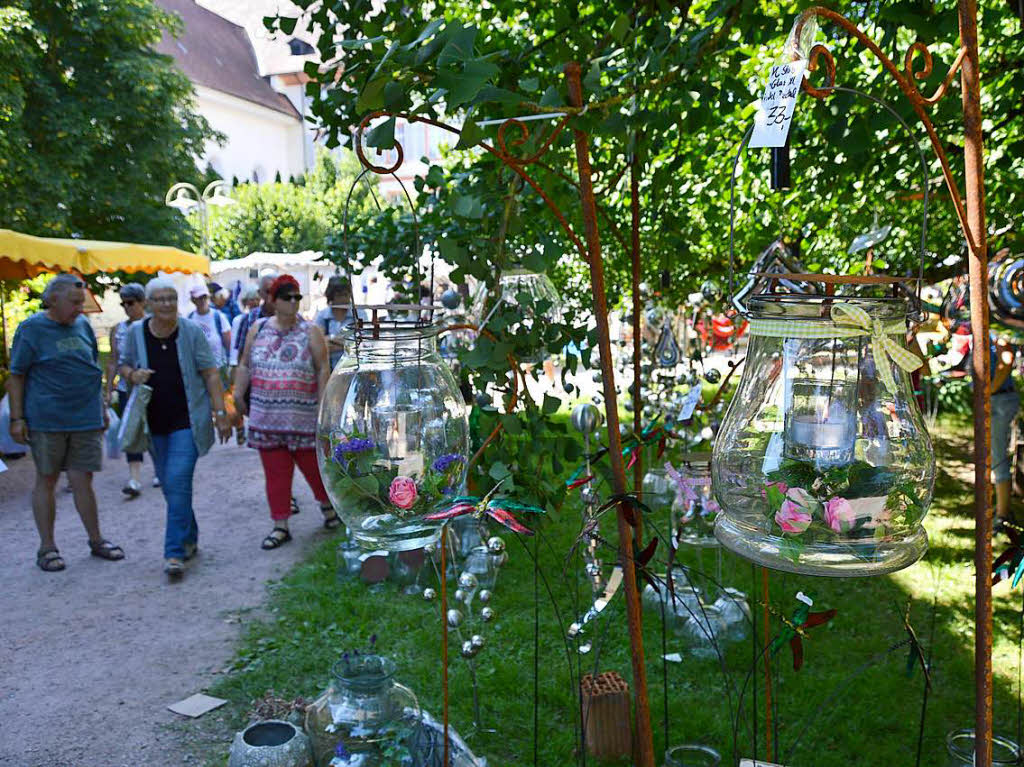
x=487, y=614
x=585, y=418
x=477, y=641
x=468, y=581
x=822, y=464
x=467, y=649
x=712, y=375
x=392, y=429
x=460, y=595
x=454, y=617
x=429, y=594
x=537, y=298
x=451, y=299
x=495, y=545
x=485, y=596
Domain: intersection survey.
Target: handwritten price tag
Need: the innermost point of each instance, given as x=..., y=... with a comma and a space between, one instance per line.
x=775, y=115
x=690, y=403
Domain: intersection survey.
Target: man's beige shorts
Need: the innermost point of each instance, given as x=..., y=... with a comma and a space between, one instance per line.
x=57, y=451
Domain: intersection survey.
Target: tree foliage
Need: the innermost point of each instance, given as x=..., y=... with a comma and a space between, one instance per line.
x=94, y=125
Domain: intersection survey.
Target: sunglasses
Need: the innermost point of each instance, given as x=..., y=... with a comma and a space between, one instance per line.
x=290, y=297
x=128, y=302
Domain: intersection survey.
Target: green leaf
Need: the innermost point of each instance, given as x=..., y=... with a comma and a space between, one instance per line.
x=462, y=87
x=269, y=22
x=449, y=249
x=459, y=45
x=529, y=83
x=468, y=206
x=382, y=136
x=551, y=405
x=396, y=98
x=360, y=43
x=287, y=24
x=498, y=471
x=499, y=95
x=470, y=136
x=551, y=98
x=620, y=28
x=511, y=423
x=592, y=81
x=372, y=97
x=435, y=176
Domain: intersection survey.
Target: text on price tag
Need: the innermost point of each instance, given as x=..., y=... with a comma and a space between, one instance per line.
x=775, y=114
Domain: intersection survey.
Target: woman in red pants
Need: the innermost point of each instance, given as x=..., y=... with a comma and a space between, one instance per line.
x=284, y=366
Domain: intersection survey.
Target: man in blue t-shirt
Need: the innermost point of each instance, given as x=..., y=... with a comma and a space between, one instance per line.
x=57, y=408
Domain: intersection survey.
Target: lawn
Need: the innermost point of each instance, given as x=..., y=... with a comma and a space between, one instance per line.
x=853, y=701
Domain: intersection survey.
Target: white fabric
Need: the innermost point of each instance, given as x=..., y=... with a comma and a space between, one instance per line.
x=208, y=324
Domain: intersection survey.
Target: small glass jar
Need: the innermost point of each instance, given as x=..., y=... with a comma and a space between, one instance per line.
x=364, y=710
x=702, y=631
x=960, y=748
x=657, y=489
x=734, y=610
x=691, y=755
x=393, y=435
x=347, y=560
x=481, y=564
x=537, y=296
x=694, y=508
x=823, y=465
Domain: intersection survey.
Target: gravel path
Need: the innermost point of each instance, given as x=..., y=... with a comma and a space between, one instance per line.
x=90, y=657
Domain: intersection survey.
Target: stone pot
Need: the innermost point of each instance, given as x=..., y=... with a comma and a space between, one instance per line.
x=272, y=743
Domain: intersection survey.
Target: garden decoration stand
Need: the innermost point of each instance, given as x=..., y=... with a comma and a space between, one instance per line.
x=970, y=211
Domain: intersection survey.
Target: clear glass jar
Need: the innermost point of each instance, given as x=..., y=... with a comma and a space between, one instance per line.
x=481, y=565
x=689, y=755
x=694, y=508
x=701, y=631
x=537, y=295
x=393, y=436
x=364, y=710
x=658, y=490
x=819, y=466
x=960, y=748
x=734, y=610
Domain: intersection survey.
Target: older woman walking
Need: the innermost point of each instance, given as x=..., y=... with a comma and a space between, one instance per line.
x=171, y=354
x=133, y=301
x=284, y=363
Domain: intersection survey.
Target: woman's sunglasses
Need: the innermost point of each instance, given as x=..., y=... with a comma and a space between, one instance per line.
x=290, y=297
x=128, y=302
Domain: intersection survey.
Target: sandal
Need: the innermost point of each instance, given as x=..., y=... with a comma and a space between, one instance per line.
x=49, y=560
x=274, y=541
x=104, y=549
x=331, y=519
x=295, y=506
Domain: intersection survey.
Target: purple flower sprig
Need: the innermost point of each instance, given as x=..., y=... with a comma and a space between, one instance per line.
x=349, y=447
x=445, y=462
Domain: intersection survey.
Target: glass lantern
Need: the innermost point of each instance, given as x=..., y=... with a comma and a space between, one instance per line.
x=542, y=296
x=822, y=465
x=694, y=509
x=364, y=717
x=393, y=434
x=657, y=489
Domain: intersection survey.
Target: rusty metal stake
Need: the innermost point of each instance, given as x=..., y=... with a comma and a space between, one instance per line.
x=970, y=81
x=634, y=205
x=644, y=735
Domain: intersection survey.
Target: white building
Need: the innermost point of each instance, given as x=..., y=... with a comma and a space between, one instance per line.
x=264, y=130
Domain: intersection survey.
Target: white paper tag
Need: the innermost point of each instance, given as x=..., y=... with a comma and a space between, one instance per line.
x=775, y=113
x=690, y=403
x=756, y=763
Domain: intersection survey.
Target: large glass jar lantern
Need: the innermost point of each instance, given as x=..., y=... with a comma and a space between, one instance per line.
x=822, y=464
x=393, y=434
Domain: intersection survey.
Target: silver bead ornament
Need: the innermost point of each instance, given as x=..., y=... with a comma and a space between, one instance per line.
x=706, y=434
x=589, y=496
x=586, y=419
x=450, y=299
x=454, y=618
x=484, y=596
x=487, y=614
x=468, y=651
x=468, y=582
x=429, y=594
x=593, y=569
x=477, y=641
x=460, y=595
x=495, y=545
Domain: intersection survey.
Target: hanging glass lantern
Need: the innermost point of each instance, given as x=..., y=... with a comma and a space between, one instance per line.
x=694, y=509
x=536, y=295
x=823, y=465
x=393, y=433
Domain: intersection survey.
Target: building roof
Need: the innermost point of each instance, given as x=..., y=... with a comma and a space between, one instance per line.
x=215, y=53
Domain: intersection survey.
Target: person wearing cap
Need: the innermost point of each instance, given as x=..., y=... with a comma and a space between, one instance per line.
x=56, y=402
x=115, y=395
x=284, y=366
x=213, y=323
x=223, y=302
x=334, y=318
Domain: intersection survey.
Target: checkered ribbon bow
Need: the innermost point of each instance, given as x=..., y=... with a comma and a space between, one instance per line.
x=850, y=321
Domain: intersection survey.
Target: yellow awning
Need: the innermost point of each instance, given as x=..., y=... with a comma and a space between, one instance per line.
x=22, y=256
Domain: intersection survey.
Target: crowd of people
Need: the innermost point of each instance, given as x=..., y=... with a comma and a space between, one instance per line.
x=172, y=380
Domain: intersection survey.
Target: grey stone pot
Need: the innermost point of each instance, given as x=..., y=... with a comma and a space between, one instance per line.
x=272, y=743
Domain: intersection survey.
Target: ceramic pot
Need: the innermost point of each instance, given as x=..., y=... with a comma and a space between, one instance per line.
x=272, y=743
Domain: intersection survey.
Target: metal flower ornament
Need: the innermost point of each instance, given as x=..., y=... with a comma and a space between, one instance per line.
x=794, y=628
x=499, y=509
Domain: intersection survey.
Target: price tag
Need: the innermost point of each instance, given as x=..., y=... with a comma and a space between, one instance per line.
x=690, y=403
x=756, y=763
x=775, y=114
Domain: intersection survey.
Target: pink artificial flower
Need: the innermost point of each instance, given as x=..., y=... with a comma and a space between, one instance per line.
x=782, y=487
x=839, y=514
x=403, y=492
x=796, y=512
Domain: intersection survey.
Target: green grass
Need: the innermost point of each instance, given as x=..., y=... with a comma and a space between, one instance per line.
x=860, y=716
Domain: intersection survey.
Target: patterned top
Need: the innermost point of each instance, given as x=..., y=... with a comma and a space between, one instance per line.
x=283, y=401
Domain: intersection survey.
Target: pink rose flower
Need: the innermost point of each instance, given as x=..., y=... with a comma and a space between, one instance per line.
x=792, y=519
x=403, y=492
x=781, y=486
x=839, y=514
x=796, y=512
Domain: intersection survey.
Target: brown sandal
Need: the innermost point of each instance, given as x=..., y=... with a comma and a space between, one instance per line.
x=49, y=560
x=104, y=549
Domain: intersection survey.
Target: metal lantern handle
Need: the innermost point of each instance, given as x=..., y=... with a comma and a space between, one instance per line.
x=924, y=186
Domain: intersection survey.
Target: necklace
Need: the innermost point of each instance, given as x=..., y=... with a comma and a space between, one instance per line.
x=162, y=339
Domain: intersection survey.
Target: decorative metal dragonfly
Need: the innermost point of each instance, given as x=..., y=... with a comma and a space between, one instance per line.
x=794, y=629
x=498, y=509
x=1010, y=564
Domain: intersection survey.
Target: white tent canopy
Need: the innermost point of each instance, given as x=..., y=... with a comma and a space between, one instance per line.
x=309, y=267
